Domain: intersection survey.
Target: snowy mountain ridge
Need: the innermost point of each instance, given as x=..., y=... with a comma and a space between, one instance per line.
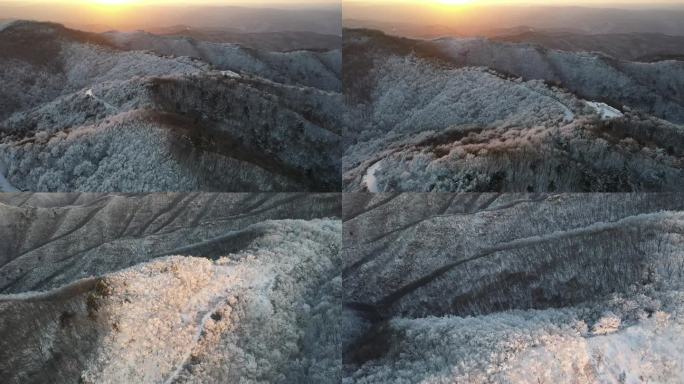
x=468, y=115
x=83, y=114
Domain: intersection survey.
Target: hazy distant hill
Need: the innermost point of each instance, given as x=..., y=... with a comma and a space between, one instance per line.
x=319, y=69
x=81, y=111
x=269, y=41
x=646, y=47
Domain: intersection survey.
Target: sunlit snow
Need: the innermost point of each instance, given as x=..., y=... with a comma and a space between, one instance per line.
x=230, y=74
x=604, y=110
x=370, y=180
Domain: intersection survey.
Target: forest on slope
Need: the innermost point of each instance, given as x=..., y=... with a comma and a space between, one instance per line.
x=478, y=115
x=482, y=288
x=170, y=288
x=138, y=112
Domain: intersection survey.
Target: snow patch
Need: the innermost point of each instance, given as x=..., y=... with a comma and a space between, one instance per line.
x=369, y=180
x=230, y=74
x=604, y=110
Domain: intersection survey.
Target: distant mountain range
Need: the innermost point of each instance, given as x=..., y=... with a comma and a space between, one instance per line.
x=269, y=41
x=642, y=47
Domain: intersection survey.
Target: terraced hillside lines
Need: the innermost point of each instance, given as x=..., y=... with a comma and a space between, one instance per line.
x=512, y=288
x=398, y=258
x=104, y=117
x=424, y=120
x=51, y=245
x=170, y=288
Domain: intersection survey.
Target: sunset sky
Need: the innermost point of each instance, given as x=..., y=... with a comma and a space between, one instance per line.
x=593, y=3
x=433, y=18
x=176, y=2
x=129, y=3
x=103, y=15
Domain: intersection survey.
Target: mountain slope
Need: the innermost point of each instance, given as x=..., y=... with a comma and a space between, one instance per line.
x=425, y=120
x=315, y=69
x=646, y=47
x=89, y=116
x=513, y=288
x=268, y=41
x=653, y=88
x=56, y=239
x=251, y=298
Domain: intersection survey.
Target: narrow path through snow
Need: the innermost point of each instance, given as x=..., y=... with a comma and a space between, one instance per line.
x=5, y=185
x=370, y=180
x=256, y=282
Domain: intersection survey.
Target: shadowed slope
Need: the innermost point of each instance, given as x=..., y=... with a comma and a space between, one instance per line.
x=56, y=239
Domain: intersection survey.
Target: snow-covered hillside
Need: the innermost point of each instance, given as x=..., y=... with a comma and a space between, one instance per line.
x=653, y=88
x=439, y=124
x=170, y=289
x=80, y=113
x=315, y=69
x=515, y=288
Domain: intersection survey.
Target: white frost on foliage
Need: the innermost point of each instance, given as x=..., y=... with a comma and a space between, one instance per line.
x=652, y=88
x=478, y=117
x=535, y=346
x=126, y=153
x=265, y=314
x=107, y=119
x=86, y=65
x=243, y=318
x=607, y=324
x=412, y=95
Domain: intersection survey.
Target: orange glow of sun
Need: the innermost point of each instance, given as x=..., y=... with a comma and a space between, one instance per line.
x=114, y=2
x=456, y=2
